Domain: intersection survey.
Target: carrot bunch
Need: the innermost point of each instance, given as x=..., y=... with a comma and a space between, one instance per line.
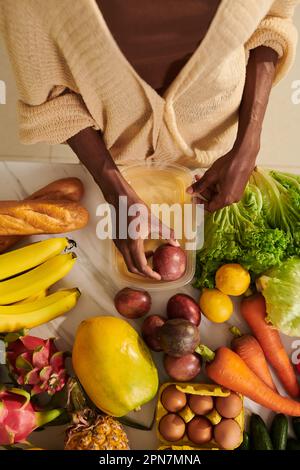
x=245, y=371
x=253, y=310
x=249, y=349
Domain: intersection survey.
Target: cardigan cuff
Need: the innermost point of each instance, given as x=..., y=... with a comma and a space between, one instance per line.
x=54, y=121
x=281, y=35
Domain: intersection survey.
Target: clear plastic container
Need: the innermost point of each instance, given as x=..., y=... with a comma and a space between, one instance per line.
x=158, y=184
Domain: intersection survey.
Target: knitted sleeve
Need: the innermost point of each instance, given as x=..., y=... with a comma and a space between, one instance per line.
x=277, y=31
x=50, y=108
x=54, y=121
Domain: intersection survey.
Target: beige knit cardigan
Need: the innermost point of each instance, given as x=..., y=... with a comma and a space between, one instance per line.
x=71, y=75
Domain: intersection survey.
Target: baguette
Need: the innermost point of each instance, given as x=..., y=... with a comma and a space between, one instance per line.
x=70, y=189
x=41, y=217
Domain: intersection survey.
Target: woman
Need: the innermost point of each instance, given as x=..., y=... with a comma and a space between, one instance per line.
x=127, y=81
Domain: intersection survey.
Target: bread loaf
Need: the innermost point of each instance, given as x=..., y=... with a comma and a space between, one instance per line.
x=41, y=217
x=70, y=189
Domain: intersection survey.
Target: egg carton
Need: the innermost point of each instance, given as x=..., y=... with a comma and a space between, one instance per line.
x=200, y=389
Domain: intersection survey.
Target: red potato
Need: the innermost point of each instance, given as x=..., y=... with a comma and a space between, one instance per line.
x=184, y=368
x=132, y=303
x=150, y=330
x=170, y=262
x=184, y=306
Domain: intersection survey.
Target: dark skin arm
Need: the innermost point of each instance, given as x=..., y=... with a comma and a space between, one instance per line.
x=224, y=182
x=92, y=152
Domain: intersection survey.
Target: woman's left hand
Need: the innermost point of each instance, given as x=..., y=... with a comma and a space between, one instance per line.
x=225, y=181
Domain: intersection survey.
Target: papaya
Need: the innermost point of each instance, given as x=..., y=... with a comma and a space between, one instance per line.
x=113, y=365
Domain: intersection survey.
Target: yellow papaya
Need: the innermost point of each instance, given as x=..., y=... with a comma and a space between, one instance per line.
x=113, y=365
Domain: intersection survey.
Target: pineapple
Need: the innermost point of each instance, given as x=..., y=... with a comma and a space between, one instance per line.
x=92, y=431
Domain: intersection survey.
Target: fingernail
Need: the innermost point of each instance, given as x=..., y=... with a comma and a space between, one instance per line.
x=190, y=190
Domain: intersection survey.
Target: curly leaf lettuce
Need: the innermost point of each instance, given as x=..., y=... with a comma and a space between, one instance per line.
x=281, y=196
x=259, y=232
x=280, y=287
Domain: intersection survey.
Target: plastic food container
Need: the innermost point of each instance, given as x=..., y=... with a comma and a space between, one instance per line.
x=158, y=184
x=187, y=414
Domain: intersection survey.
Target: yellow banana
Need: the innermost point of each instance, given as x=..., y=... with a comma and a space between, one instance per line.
x=16, y=317
x=39, y=295
x=39, y=278
x=20, y=308
x=30, y=256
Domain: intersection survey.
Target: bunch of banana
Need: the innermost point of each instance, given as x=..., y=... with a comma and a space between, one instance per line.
x=25, y=276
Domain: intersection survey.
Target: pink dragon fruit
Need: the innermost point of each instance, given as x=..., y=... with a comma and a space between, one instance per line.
x=37, y=363
x=17, y=416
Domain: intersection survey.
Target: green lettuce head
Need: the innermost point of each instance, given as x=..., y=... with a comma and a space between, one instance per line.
x=280, y=287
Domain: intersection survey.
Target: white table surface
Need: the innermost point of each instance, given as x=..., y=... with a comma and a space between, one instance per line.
x=92, y=275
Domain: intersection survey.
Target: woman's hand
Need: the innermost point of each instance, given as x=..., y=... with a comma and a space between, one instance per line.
x=132, y=247
x=90, y=148
x=225, y=181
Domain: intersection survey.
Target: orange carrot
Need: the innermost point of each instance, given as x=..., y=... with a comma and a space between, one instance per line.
x=229, y=370
x=249, y=349
x=253, y=310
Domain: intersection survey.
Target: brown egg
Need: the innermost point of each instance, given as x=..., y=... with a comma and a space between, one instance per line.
x=201, y=405
x=228, y=434
x=229, y=407
x=172, y=399
x=172, y=427
x=199, y=430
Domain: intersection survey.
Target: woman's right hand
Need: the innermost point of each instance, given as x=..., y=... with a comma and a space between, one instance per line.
x=90, y=148
x=132, y=248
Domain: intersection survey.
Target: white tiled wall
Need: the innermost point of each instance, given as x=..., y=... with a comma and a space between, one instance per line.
x=281, y=136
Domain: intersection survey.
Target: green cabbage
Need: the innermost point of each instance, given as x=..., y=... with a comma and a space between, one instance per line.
x=281, y=289
x=259, y=232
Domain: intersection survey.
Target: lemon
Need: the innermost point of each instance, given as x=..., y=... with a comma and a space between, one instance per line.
x=215, y=305
x=232, y=279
